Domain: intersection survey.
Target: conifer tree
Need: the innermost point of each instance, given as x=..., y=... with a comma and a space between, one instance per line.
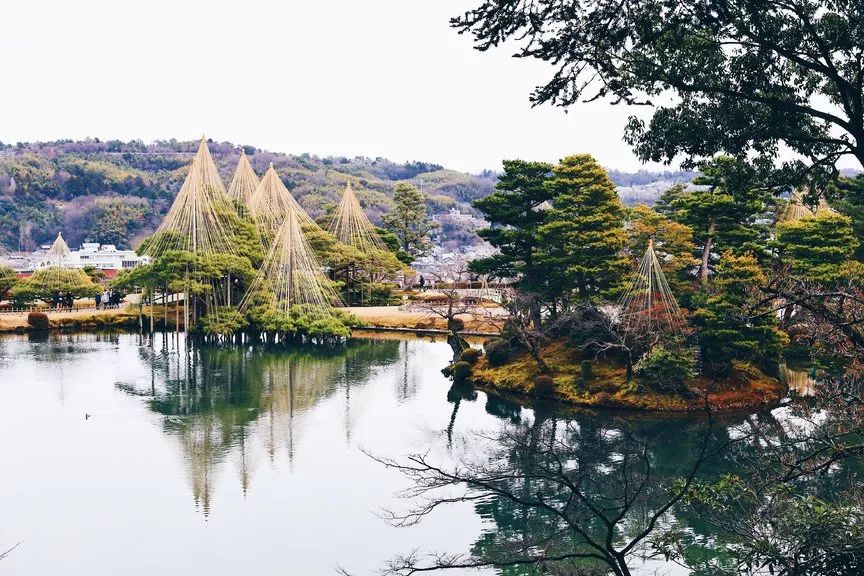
x=517, y=209
x=724, y=210
x=734, y=323
x=8, y=279
x=817, y=247
x=583, y=236
x=852, y=204
x=408, y=221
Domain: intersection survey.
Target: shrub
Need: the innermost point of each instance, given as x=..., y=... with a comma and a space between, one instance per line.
x=224, y=321
x=38, y=321
x=666, y=370
x=497, y=352
x=461, y=371
x=587, y=369
x=544, y=386
x=470, y=355
x=456, y=324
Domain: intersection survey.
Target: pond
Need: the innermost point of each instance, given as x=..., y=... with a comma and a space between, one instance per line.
x=124, y=457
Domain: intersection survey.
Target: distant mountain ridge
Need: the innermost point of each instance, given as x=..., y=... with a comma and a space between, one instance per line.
x=117, y=192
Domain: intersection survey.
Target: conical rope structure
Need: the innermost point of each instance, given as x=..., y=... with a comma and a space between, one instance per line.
x=291, y=275
x=59, y=251
x=350, y=225
x=794, y=210
x=244, y=184
x=196, y=221
x=54, y=274
x=649, y=308
x=824, y=206
x=271, y=204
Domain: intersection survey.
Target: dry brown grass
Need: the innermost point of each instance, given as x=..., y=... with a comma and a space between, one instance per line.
x=393, y=317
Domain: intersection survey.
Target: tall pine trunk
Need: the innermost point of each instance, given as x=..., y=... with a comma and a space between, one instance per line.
x=706, y=252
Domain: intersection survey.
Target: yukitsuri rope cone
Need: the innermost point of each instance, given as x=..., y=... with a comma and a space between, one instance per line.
x=59, y=251
x=271, y=204
x=291, y=275
x=245, y=182
x=795, y=209
x=196, y=222
x=350, y=225
x=824, y=206
x=55, y=275
x=649, y=308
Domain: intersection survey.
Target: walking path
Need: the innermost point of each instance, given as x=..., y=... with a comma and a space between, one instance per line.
x=375, y=316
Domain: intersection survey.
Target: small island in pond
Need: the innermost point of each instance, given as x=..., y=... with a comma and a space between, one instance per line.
x=693, y=303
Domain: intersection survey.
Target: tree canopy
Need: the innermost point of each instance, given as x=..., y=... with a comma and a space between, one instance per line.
x=747, y=77
x=8, y=279
x=409, y=222
x=583, y=235
x=818, y=246
x=516, y=209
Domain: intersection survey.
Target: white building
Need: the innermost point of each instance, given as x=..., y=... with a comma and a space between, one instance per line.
x=91, y=254
x=104, y=257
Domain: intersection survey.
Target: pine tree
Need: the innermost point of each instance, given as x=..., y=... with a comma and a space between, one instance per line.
x=817, y=247
x=734, y=323
x=725, y=210
x=408, y=221
x=516, y=210
x=852, y=204
x=8, y=279
x=583, y=236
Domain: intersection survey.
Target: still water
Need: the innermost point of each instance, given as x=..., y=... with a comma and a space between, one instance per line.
x=121, y=457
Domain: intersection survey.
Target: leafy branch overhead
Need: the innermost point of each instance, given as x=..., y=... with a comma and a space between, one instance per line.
x=733, y=76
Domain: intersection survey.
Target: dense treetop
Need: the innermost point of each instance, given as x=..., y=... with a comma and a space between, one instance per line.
x=743, y=76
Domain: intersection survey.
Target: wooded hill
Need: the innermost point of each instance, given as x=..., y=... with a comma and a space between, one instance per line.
x=117, y=192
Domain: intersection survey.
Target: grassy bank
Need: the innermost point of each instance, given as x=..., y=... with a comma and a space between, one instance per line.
x=388, y=317
x=90, y=319
x=607, y=386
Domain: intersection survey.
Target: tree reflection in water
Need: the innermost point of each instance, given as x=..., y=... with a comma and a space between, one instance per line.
x=242, y=402
x=580, y=492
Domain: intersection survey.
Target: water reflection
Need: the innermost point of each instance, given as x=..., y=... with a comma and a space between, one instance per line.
x=799, y=380
x=242, y=404
x=268, y=439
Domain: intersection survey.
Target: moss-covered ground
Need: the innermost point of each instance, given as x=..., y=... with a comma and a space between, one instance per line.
x=607, y=387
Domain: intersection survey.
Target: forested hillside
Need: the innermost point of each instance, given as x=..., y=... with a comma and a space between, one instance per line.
x=117, y=192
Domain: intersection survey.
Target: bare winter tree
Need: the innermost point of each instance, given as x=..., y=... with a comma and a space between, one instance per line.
x=571, y=497
x=447, y=301
x=791, y=503
x=5, y=553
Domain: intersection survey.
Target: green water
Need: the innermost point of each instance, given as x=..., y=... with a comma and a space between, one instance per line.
x=121, y=457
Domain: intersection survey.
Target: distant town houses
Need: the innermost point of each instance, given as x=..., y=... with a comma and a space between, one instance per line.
x=104, y=257
x=459, y=216
x=446, y=265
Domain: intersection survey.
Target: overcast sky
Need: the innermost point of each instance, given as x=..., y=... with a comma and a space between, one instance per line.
x=374, y=78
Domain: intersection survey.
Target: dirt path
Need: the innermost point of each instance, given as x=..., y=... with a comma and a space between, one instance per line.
x=395, y=317
x=374, y=316
x=11, y=320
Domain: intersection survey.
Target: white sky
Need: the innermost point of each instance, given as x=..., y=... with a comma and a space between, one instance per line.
x=374, y=78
